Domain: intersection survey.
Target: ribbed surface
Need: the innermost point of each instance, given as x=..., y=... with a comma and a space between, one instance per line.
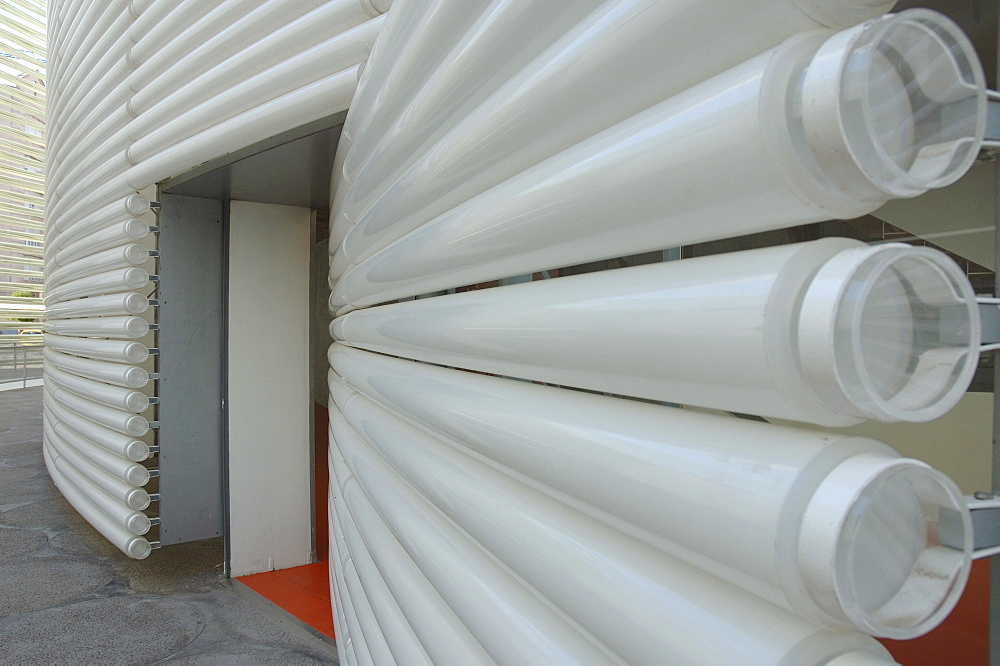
x=22, y=163
x=141, y=92
x=472, y=519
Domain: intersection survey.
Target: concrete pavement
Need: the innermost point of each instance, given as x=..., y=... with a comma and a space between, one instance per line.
x=69, y=597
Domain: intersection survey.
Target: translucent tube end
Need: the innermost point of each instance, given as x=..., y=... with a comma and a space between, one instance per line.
x=870, y=549
x=138, y=548
x=135, y=352
x=138, y=524
x=137, y=451
x=889, y=332
x=839, y=14
x=137, y=499
x=903, y=97
x=138, y=476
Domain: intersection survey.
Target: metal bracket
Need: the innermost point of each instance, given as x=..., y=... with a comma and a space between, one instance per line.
x=992, y=116
x=985, y=510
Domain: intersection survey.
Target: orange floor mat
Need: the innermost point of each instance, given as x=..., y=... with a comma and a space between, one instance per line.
x=964, y=636
x=302, y=591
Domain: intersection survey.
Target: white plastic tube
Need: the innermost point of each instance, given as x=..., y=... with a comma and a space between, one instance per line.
x=375, y=639
x=134, y=498
x=120, y=233
x=134, y=546
x=359, y=645
x=730, y=497
x=641, y=185
x=331, y=18
x=441, y=633
x=129, y=376
x=616, y=46
x=830, y=332
x=115, y=397
x=395, y=628
x=64, y=232
x=340, y=52
x=120, y=351
x=126, y=471
x=115, y=419
x=451, y=65
x=122, y=279
x=126, y=446
x=132, y=254
x=510, y=621
x=131, y=303
x=312, y=102
x=133, y=521
x=685, y=615
x=106, y=327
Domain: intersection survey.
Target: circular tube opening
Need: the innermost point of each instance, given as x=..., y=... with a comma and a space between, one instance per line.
x=906, y=335
x=912, y=102
x=894, y=575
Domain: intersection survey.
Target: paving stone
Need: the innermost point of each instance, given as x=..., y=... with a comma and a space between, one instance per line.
x=54, y=513
x=20, y=448
x=195, y=566
x=8, y=474
x=43, y=582
x=16, y=543
x=117, y=630
x=26, y=460
x=83, y=540
x=26, y=490
x=243, y=657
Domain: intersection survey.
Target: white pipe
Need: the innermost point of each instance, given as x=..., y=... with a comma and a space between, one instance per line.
x=120, y=351
x=727, y=496
x=130, y=376
x=195, y=53
x=126, y=471
x=130, y=303
x=180, y=116
x=359, y=645
x=132, y=254
x=189, y=24
x=617, y=45
x=122, y=279
x=117, y=443
x=138, y=7
x=105, y=327
x=312, y=102
x=453, y=63
x=341, y=52
x=510, y=621
x=115, y=397
x=78, y=67
x=332, y=18
x=641, y=185
x=828, y=332
x=115, y=419
x=134, y=498
x=681, y=615
x=118, y=233
x=134, y=546
x=405, y=26
x=398, y=633
x=441, y=633
x=68, y=230
x=87, y=60
x=375, y=639
x=133, y=521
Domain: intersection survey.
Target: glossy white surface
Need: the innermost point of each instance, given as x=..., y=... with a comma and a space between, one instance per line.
x=720, y=332
x=636, y=52
x=724, y=495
